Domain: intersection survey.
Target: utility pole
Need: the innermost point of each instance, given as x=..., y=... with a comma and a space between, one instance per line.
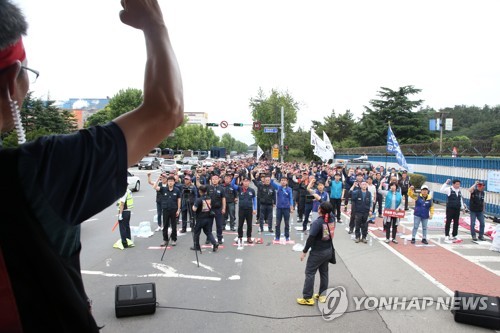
x=441, y=125
x=282, y=132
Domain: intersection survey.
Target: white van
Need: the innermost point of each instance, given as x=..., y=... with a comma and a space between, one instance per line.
x=155, y=152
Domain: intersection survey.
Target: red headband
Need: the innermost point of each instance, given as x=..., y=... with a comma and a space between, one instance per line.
x=11, y=53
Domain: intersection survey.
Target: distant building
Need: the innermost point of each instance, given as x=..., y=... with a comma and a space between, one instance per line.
x=196, y=118
x=82, y=108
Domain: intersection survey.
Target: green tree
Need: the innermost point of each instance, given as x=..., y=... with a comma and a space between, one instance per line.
x=267, y=110
x=337, y=128
x=123, y=102
x=394, y=106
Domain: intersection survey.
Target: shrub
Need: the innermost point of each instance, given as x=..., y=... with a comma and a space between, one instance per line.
x=417, y=180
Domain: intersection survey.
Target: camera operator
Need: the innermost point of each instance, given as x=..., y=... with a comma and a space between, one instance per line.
x=189, y=195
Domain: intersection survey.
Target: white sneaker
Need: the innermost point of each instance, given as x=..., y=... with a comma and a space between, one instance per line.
x=158, y=229
x=161, y=228
x=447, y=239
x=454, y=238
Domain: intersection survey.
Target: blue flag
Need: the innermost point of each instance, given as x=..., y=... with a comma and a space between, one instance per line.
x=394, y=148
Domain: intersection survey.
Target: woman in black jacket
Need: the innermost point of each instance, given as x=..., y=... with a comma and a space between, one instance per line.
x=320, y=243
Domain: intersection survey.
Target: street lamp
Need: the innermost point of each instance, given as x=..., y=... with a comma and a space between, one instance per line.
x=282, y=125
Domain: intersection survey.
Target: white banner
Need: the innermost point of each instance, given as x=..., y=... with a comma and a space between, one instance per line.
x=260, y=152
x=314, y=138
x=328, y=145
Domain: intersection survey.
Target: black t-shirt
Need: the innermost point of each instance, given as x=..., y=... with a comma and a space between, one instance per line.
x=64, y=180
x=68, y=180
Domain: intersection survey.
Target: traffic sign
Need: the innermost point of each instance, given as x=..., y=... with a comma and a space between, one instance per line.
x=257, y=125
x=223, y=124
x=270, y=130
x=276, y=153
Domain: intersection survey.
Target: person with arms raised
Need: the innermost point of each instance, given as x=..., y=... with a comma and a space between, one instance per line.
x=60, y=193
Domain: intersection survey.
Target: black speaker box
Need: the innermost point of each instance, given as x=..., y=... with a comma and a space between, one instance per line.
x=476, y=309
x=135, y=299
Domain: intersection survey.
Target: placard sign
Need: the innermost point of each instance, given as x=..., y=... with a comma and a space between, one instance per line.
x=493, y=184
x=394, y=213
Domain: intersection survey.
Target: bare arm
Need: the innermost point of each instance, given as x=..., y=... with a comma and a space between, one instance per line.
x=162, y=109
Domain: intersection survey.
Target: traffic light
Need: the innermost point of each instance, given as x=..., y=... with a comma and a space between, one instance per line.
x=237, y=124
x=286, y=147
x=212, y=125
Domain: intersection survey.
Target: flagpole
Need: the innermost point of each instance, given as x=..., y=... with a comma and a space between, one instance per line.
x=385, y=168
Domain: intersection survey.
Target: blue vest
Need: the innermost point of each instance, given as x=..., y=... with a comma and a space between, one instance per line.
x=388, y=199
x=423, y=206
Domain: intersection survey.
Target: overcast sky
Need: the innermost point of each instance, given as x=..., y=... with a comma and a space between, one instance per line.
x=327, y=54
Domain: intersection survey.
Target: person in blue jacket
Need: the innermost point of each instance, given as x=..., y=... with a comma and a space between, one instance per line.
x=284, y=206
x=247, y=206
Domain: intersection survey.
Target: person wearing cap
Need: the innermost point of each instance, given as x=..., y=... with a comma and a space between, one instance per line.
x=247, y=206
x=301, y=205
x=424, y=210
x=284, y=206
x=171, y=207
x=125, y=204
x=356, y=185
x=476, y=207
x=362, y=203
x=60, y=193
x=453, y=206
x=320, y=195
x=231, y=199
x=189, y=195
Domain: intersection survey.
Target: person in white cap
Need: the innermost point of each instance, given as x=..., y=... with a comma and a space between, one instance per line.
x=424, y=210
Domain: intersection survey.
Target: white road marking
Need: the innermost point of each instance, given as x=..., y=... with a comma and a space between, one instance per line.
x=103, y=274
x=234, y=277
x=172, y=272
x=167, y=271
x=89, y=220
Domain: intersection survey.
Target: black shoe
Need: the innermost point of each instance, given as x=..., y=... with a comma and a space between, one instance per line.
x=232, y=229
x=207, y=242
x=195, y=249
x=183, y=231
x=424, y=241
x=350, y=232
x=125, y=245
x=481, y=238
x=271, y=230
x=215, y=247
x=413, y=241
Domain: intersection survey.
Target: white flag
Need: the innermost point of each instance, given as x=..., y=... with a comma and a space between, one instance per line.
x=260, y=152
x=328, y=144
x=314, y=138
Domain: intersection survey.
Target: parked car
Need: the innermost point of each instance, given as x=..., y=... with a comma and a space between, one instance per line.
x=190, y=160
x=134, y=183
x=207, y=162
x=185, y=167
x=169, y=161
x=169, y=168
x=149, y=162
x=358, y=163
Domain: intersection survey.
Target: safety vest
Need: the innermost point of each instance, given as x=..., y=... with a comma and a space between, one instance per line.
x=129, y=201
